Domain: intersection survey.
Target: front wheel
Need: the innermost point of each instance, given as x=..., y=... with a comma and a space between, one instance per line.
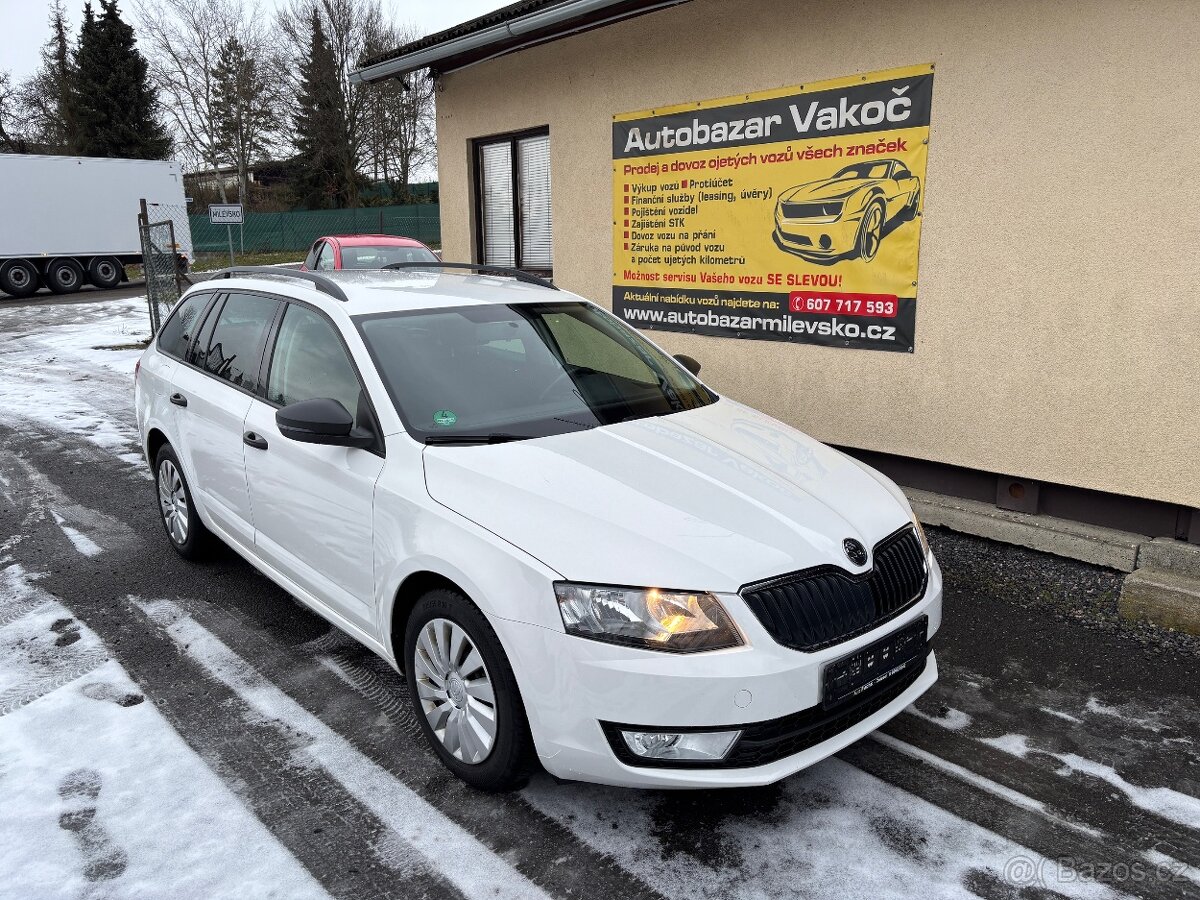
x=105, y=272
x=464, y=692
x=870, y=231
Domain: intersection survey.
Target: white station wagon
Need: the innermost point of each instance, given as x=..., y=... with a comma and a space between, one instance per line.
x=574, y=550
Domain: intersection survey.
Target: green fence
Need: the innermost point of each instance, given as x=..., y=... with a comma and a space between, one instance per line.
x=295, y=231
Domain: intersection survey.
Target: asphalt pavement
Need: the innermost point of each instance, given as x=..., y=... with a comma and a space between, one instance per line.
x=1060, y=750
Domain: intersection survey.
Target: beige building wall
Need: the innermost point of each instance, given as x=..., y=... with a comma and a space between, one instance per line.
x=1058, y=313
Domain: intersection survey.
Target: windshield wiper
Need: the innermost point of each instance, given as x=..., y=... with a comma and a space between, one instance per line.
x=496, y=437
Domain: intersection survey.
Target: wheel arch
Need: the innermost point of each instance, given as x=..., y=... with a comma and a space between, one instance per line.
x=155, y=439
x=415, y=586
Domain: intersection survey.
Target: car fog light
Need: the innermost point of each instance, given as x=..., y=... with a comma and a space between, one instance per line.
x=680, y=745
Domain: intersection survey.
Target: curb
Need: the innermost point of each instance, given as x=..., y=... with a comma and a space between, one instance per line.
x=1162, y=584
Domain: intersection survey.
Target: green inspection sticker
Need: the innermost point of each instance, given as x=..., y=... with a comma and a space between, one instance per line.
x=444, y=417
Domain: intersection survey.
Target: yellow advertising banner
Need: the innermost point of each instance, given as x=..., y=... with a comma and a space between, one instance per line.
x=792, y=214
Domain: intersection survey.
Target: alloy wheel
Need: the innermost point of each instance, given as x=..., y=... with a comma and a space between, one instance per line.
x=455, y=690
x=872, y=233
x=173, y=500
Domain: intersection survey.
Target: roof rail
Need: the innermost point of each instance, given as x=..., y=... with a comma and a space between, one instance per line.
x=320, y=282
x=509, y=271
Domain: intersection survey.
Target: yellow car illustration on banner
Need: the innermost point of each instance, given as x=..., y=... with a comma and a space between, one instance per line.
x=847, y=215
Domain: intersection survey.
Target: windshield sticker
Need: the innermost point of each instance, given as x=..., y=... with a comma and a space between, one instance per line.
x=445, y=418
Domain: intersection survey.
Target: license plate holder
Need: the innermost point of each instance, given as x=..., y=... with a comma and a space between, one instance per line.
x=878, y=662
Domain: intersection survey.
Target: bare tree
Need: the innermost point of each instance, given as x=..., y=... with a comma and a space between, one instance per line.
x=11, y=141
x=185, y=41
x=400, y=128
x=247, y=103
x=42, y=108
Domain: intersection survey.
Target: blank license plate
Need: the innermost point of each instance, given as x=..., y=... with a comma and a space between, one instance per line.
x=875, y=664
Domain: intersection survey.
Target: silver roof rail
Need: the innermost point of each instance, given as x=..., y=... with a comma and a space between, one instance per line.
x=507, y=271
x=320, y=282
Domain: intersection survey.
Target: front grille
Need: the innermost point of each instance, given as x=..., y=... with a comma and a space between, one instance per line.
x=811, y=210
x=766, y=742
x=823, y=606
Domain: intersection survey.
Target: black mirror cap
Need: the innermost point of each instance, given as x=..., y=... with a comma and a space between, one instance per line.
x=688, y=363
x=321, y=416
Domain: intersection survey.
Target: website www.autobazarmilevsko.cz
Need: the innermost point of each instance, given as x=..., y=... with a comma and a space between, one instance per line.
x=832, y=327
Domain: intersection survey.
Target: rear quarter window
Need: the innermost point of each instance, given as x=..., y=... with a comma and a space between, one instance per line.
x=179, y=329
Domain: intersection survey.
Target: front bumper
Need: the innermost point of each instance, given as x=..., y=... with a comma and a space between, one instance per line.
x=825, y=238
x=571, y=686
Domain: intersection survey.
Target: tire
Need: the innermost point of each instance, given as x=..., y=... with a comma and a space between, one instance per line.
x=105, y=272
x=460, y=709
x=64, y=276
x=870, y=231
x=18, y=278
x=177, y=512
x=910, y=209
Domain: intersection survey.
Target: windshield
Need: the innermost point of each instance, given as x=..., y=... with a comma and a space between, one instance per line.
x=376, y=257
x=864, y=170
x=528, y=370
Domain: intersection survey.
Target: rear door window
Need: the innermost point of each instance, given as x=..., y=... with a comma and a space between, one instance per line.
x=176, y=335
x=233, y=352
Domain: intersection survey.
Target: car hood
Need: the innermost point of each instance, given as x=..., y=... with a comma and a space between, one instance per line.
x=708, y=499
x=826, y=190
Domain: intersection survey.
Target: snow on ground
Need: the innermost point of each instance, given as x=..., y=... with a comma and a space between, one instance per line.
x=476, y=871
x=61, y=373
x=831, y=826
x=98, y=793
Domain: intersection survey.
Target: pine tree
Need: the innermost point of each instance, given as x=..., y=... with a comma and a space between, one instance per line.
x=321, y=136
x=116, y=106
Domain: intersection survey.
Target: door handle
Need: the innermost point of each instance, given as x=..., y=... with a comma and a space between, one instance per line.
x=250, y=439
x=179, y=399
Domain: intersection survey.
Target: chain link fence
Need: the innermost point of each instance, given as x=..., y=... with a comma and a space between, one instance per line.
x=160, y=262
x=268, y=238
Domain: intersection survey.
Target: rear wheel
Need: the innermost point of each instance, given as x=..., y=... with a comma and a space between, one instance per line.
x=105, y=272
x=18, y=278
x=180, y=520
x=466, y=697
x=64, y=276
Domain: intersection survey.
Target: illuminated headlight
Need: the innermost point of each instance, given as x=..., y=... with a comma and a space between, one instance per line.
x=680, y=745
x=679, y=621
x=920, y=533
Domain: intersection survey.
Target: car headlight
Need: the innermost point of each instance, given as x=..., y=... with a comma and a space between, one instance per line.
x=920, y=533
x=678, y=621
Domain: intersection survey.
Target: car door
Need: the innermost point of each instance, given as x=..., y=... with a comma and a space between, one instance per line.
x=211, y=393
x=312, y=502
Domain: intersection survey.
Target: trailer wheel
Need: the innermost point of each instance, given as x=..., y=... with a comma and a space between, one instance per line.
x=105, y=272
x=18, y=278
x=64, y=276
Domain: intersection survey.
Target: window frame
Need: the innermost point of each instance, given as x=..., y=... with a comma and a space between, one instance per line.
x=512, y=138
x=268, y=359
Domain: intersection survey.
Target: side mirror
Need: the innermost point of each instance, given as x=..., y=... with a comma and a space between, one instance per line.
x=688, y=363
x=321, y=421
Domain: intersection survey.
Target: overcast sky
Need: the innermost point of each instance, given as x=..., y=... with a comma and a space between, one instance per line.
x=24, y=28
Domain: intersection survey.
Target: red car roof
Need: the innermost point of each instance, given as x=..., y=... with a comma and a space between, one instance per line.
x=373, y=240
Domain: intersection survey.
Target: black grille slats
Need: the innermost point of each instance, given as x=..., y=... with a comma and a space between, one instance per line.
x=823, y=606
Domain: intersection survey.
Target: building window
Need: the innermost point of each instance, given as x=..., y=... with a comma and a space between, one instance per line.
x=512, y=201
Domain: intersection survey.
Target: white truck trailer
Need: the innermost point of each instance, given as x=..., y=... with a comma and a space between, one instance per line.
x=67, y=221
